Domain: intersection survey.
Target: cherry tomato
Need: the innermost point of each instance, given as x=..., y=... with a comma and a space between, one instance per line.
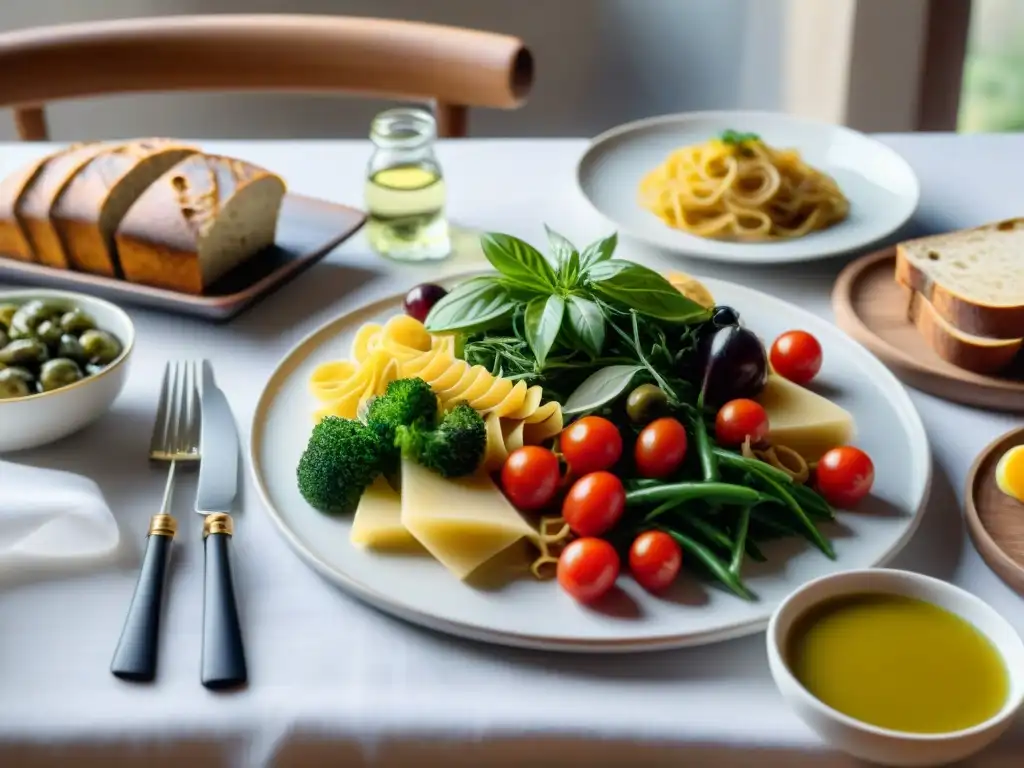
x=654, y=560
x=530, y=477
x=590, y=445
x=796, y=355
x=588, y=568
x=739, y=418
x=660, y=448
x=844, y=476
x=594, y=503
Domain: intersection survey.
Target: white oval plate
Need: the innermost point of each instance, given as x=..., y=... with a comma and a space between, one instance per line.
x=532, y=614
x=880, y=185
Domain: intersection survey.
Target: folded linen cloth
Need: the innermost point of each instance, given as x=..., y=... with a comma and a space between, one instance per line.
x=52, y=521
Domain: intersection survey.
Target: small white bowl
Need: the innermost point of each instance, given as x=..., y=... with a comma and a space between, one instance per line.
x=35, y=420
x=881, y=745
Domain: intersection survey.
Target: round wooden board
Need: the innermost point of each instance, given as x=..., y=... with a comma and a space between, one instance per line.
x=872, y=307
x=995, y=520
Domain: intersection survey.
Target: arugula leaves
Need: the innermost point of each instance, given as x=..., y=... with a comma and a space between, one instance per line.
x=567, y=300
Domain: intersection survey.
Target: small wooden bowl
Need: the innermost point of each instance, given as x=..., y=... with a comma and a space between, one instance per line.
x=995, y=521
x=872, y=307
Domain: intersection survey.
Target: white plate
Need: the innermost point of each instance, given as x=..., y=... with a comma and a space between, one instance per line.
x=880, y=185
x=528, y=613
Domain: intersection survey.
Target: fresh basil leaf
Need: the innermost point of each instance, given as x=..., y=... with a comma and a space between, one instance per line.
x=605, y=270
x=561, y=248
x=519, y=262
x=599, y=251
x=637, y=287
x=543, y=320
x=600, y=388
x=586, y=321
x=472, y=305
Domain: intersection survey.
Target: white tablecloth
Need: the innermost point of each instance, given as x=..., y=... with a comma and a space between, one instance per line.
x=335, y=682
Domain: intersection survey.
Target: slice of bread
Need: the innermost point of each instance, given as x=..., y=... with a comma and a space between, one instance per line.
x=91, y=206
x=13, y=238
x=972, y=353
x=198, y=221
x=974, y=278
x=36, y=203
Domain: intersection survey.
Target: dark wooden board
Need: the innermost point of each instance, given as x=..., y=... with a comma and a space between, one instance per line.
x=870, y=306
x=307, y=230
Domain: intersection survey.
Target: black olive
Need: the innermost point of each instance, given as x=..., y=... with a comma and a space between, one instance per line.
x=724, y=316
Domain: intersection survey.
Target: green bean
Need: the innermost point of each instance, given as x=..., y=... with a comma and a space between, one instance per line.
x=814, y=534
x=709, y=532
x=753, y=551
x=716, y=566
x=737, y=461
x=708, y=460
x=726, y=493
x=813, y=503
x=741, y=539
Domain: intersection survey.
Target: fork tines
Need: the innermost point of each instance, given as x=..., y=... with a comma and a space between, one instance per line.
x=177, y=425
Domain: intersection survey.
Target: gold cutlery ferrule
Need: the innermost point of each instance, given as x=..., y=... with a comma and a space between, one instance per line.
x=163, y=525
x=218, y=522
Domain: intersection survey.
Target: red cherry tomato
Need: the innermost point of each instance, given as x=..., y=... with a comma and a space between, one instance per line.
x=590, y=445
x=796, y=355
x=654, y=560
x=588, y=568
x=530, y=477
x=739, y=418
x=844, y=476
x=660, y=448
x=594, y=504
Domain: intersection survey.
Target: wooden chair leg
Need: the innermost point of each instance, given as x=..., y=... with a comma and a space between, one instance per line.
x=30, y=123
x=452, y=120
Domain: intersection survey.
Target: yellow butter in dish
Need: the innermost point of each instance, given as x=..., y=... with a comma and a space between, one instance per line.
x=1010, y=473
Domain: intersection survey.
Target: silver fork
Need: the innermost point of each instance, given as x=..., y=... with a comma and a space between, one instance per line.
x=175, y=440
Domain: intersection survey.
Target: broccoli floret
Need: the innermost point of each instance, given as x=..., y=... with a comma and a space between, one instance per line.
x=342, y=458
x=454, y=449
x=405, y=402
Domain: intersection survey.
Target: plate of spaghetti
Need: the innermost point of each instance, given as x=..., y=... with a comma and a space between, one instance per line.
x=751, y=187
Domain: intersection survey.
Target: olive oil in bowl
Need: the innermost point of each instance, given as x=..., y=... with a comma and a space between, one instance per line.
x=898, y=663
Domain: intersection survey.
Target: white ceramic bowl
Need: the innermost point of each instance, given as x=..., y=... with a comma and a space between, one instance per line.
x=881, y=745
x=29, y=422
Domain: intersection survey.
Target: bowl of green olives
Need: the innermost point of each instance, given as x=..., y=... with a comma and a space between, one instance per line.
x=63, y=362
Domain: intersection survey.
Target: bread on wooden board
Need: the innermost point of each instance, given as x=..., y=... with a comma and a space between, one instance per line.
x=971, y=353
x=91, y=206
x=33, y=210
x=974, y=278
x=13, y=239
x=198, y=221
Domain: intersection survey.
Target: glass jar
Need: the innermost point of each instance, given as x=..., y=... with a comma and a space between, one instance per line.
x=405, y=190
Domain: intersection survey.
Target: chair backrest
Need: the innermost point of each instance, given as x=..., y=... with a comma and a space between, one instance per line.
x=456, y=68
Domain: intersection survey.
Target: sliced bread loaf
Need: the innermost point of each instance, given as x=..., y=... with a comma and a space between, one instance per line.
x=91, y=206
x=13, y=239
x=972, y=353
x=198, y=221
x=36, y=202
x=973, y=278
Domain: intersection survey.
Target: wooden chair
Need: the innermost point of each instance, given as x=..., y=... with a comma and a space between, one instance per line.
x=456, y=68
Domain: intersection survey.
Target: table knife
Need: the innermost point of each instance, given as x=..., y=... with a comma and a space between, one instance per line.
x=223, y=656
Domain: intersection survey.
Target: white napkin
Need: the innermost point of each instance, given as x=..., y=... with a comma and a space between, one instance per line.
x=52, y=520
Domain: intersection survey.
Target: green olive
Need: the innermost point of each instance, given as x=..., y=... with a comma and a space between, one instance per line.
x=646, y=403
x=6, y=313
x=24, y=352
x=76, y=321
x=100, y=346
x=12, y=385
x=28, y=317
x=4, y=338
x=49, y=333
x=71, y=347
x=58, y=373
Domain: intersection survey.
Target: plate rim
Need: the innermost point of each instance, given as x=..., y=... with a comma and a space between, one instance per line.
x=741, y=256
x=423, y=618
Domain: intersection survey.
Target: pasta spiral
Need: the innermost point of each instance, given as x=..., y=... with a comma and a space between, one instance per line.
x=402, y=348
x=743, y=190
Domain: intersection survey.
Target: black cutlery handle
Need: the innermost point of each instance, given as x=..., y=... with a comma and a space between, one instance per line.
x=136, y=654
x=223, y=664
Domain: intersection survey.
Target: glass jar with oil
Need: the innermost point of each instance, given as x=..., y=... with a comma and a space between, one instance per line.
x=405, y=190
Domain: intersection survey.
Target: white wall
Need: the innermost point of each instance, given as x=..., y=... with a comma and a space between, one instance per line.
x=598, y=63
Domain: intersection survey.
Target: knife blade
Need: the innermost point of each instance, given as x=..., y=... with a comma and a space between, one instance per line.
x=223, y=656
